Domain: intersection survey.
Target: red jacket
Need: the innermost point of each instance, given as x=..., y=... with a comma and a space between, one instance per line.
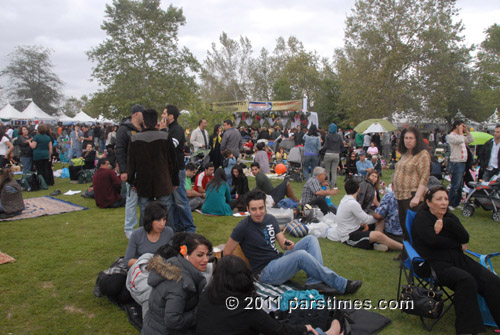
x=107, y=187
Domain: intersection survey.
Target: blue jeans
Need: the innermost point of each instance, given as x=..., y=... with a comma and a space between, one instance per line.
x=179, y=210
x=306, y=255
x=130, y=209
x=27, y=163
x=144, y=202
x=457, y=183
x=74, y=152
x=310, y=162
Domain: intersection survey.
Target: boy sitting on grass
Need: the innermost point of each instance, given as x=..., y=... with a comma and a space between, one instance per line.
x=358, y=229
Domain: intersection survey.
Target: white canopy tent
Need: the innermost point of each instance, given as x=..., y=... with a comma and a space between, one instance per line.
x=10, y=113
x=65, y=119
x=82, y=117
x=103, y=120
x=33, y=112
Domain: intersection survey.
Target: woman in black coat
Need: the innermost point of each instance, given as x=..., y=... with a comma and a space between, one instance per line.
x=232, y=286
x=368, y=196
x=176, y=285
x=350, y=165
x=215, y=153
x=441, y=239
x=239, y=188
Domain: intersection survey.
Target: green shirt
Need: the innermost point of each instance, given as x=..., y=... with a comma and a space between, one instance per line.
x=189, y=183
x=263, y=183
x=42, y=147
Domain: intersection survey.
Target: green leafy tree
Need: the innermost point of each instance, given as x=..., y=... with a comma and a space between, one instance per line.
x=140, y=61
x=31, y=76
x=403, y=55
x=225, y=71
x=261, y=76
x=487, y=86
x=73, y=106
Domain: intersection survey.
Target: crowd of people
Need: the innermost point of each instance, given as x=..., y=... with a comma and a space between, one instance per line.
x=148, y=162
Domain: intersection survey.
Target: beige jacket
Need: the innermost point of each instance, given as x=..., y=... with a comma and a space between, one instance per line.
x=458, y=146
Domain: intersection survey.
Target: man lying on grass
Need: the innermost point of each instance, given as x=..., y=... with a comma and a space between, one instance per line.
x=257, y=235
x=358, y=229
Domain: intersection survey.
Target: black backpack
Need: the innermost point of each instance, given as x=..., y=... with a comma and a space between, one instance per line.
x=33, y=182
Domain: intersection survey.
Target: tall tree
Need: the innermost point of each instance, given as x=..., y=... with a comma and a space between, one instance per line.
x=225, y=72
x=487, y=86
x=140, y=60
x=73, y=106
x=31, y=76
x=261, y=76
x=402, y=55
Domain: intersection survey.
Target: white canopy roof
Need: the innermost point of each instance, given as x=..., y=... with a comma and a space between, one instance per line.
x=102, y=119
x=494, y=118
x=82, y=117
x=34, y=112
x=10, y=113
x=64, y=118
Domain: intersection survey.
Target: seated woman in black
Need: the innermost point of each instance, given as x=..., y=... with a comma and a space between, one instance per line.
x=368, y=196
x=89, y=157
x=239, y=189
x=441, y=239
x=234, y=279
x=350, y=165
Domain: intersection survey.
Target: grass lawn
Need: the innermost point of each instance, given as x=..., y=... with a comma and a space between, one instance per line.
x=48, y=290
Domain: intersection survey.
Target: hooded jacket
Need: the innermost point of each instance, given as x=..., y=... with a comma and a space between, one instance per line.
x=152, y=167
x=177, y=285
x=123, y=134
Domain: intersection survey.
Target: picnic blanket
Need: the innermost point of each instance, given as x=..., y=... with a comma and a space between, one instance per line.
x=35, y=207
x=272, y=293
x=4, y=258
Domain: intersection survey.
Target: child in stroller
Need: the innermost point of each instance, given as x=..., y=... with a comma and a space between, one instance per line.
x=295, y=159
x=485, y=195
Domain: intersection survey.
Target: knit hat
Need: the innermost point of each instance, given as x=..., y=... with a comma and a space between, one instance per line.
x=333, y=128
x=136, y=109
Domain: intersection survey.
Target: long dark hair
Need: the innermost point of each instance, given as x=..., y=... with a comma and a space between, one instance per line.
x=420, y=145
x=218, y=179
x=232, y=278
x=241, y=175
x=2, y=132
x=313, y=130
x=216, y=129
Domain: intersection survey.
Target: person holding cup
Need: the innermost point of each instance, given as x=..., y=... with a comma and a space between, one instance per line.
x=458, y=139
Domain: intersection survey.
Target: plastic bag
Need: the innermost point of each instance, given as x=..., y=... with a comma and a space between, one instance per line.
x=65, y=173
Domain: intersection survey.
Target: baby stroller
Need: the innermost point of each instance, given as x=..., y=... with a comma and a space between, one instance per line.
x=295, y=170
x=485, y=195
x=199, y=159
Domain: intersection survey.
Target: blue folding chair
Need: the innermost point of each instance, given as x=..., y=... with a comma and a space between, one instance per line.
x=485, y=260
x=415, y=260
x=415, y=267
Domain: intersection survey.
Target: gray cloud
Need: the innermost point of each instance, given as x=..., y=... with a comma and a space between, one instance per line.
x=72, y=27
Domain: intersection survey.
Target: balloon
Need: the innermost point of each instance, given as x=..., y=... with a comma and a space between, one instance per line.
x=280, y=168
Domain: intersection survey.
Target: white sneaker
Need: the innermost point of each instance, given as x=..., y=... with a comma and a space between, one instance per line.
x=128, y=233
x=380, y=247
x=459, y=207
x=451, y=208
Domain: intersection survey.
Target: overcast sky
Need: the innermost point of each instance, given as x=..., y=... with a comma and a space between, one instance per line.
x=71, y=27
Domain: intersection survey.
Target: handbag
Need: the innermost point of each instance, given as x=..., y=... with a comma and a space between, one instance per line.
x=422, y=301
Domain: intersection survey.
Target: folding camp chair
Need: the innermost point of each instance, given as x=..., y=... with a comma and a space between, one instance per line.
x=414, y=261
x=485, y=260
x=417, y=270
